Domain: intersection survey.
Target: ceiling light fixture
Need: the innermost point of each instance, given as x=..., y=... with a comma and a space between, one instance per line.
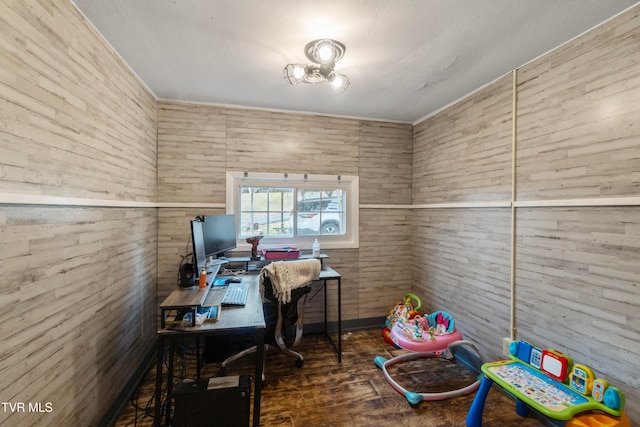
x=325, y=53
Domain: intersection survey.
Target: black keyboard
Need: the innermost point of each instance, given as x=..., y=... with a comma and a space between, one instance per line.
x=236, y=294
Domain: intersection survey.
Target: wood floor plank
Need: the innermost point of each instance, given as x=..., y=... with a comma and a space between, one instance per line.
x=324, y=393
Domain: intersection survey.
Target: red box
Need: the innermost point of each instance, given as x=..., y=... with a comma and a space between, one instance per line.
x=281, y=253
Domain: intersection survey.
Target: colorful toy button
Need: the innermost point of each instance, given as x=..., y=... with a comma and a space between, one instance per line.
x=613, y=398
x=581, y=379
x=599, y=387
x=536, y=357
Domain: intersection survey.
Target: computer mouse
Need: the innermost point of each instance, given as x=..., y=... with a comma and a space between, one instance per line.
x=233, y=280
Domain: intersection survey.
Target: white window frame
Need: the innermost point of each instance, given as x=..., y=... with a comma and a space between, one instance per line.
x=351, y=183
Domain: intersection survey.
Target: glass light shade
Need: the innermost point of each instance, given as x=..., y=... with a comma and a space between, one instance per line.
x=294, y=73
x=298, y=71
x=338, y=82
x=326, y=52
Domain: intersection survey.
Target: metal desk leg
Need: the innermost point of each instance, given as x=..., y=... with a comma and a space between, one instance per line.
x=157, y=415
x=326, y=333
x=258, y=377
x=336, y=347
x=198, y=361
x=339, y=320
x=172, y=350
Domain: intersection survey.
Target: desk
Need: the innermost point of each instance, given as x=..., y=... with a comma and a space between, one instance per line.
x=247, y=319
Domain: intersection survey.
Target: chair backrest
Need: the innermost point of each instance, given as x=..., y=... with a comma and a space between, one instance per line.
x=289, y=311
x=296, y=294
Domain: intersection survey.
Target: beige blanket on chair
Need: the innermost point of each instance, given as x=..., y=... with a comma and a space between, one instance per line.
x=288, y=275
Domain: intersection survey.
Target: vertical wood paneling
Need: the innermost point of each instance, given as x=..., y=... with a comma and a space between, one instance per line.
x=74, y=121
x=191, y=153
x=578, y=112
x=461, y=265
x=578, y=287
x=77, y=301
x=384, y=165
x=266, y=141
x=385, y=259
x=464, y=153
x=78, y=287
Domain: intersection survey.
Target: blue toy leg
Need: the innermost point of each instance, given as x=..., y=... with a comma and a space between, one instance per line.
x=522, y=409
x=474, y=416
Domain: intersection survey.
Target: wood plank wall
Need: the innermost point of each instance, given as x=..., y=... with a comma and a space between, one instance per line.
x=77, y=293
x=76, y=124
x=463, y=154
x=385, y=179
x=199, y=143
x=577, y=216
x=462, y=259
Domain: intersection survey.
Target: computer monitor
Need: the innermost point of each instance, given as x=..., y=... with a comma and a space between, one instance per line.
x=219, y=234
x=199, y=252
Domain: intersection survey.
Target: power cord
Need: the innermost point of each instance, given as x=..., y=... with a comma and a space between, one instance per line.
x=148, y=410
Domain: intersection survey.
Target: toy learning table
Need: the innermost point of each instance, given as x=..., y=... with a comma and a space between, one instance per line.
x=532, y=389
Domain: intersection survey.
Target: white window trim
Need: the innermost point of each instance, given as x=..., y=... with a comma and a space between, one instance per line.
x=348, y=241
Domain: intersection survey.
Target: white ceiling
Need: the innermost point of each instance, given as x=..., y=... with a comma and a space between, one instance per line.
x=405, y=59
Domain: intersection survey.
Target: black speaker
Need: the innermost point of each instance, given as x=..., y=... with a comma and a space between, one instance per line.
x=187, y=275
x=213, y=402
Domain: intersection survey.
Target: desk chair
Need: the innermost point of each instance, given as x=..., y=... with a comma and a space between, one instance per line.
x=284, y=321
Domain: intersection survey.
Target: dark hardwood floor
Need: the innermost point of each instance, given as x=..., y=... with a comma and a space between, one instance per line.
x=354, y=393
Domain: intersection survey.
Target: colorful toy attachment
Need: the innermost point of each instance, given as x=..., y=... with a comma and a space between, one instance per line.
x=555, y=364
x=403, y=311
x=599, y=386
x=581, y=379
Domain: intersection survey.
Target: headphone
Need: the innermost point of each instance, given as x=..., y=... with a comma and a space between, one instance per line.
x=187, y=275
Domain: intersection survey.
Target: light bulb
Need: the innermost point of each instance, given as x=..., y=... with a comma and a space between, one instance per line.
x=326, y=53
x=298, y=72
x=338, y=82
x=294, y=73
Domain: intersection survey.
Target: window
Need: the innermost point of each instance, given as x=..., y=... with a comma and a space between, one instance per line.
x=294, y=210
